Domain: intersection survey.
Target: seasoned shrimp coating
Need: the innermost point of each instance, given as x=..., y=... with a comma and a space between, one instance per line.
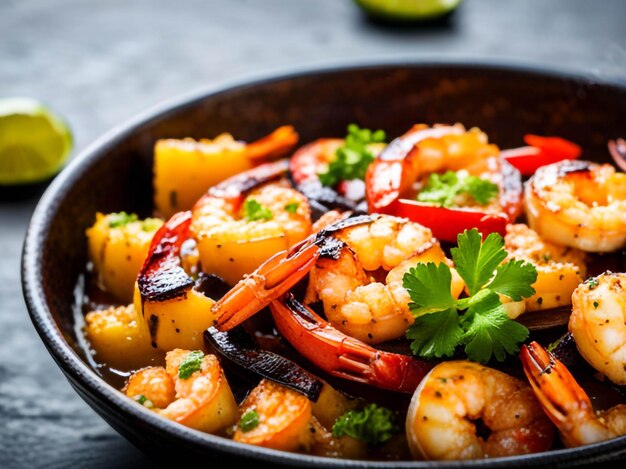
x=198, y=397
x=559, y=269
x=441, y=421
x=232, y=245
x=598, y=324
x=361, y=287
x=578, y=204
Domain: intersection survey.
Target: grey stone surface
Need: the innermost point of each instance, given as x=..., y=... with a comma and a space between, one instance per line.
x=100, y=62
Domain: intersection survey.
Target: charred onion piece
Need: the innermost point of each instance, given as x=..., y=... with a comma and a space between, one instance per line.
x=239, y=348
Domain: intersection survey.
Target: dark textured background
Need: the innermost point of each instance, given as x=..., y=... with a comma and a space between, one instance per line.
x=100, y=62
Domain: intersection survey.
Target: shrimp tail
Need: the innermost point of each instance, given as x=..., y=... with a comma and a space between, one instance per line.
x=556, y=389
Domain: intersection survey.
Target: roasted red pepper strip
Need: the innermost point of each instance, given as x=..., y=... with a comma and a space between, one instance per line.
x=162, y=277
x=540, y=152
x=447, y=223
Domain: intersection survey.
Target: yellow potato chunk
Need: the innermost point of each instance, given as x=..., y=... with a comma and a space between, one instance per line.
x=185, y=169
x=560, y=269
x=120, y=338
x=179, y=322
x=118, y=244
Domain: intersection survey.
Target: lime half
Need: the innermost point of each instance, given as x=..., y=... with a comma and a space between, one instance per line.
x=408, y=10
x=34, y=142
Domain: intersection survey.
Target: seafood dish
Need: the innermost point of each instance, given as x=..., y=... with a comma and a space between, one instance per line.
x=425, y=297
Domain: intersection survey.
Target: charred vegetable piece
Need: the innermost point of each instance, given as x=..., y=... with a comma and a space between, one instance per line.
x=239, y=348
x=176, y=314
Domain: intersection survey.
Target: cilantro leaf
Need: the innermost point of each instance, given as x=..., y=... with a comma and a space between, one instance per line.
x=490, y=332
x=514, y=279
x=475, y=260
x=373, y=424
x=190, y=364
x=352, y=159
x=435, y=334
x=249, y=421
x=446, y=189
x=254, y=211
x=478, y=321
x=117, y=220
x=428, y=286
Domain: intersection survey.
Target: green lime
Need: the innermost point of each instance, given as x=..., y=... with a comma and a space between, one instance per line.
x=34, y=142
x=408, y=10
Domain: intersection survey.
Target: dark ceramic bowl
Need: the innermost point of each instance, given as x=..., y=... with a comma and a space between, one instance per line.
x=115, y=174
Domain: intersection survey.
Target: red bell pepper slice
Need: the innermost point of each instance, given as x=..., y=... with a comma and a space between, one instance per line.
x=540, y=151
x=447, y=223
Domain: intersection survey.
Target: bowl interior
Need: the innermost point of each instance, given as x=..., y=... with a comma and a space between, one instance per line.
x=116, y=175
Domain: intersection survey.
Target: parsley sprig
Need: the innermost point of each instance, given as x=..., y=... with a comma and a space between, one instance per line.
x=479, y=322
x=352, y=159
x=373, y=424
x=446, y=189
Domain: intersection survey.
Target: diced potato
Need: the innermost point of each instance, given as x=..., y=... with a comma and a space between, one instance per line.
x=118, y=244
x=231, y=260
x=204, y=401
x=284, y=418
x=185, y=169
x=331, y=405
x=177, y=323
x=120, y=338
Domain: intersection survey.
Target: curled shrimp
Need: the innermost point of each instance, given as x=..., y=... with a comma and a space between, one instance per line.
x=566, y=403
x=578, y=204
x=454, y=395
x=597, y=324
x=231, y=244
x=559, y=269
x=202, y=400
x=359, y=279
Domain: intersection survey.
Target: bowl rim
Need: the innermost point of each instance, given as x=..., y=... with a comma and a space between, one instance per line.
x=81, y=375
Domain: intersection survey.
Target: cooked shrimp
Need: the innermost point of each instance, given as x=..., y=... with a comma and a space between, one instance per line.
x=360, y=284
x=284, y=418
x=578, y=204
x=566, y=403
x=598, y=324
x=440, y=421
x=559, y=269
x=202, y=400
x=231, y=244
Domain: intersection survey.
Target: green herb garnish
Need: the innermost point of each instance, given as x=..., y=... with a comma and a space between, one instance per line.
x=117, y=220
x=373, y=424
x=445, y=189
x=479, y=321
x=151, y=224
x=254, y=211
x=249, y=421
x=592, y=283
x=144, y=401
x=190, y=364
x=292, y=207
x=352, y=159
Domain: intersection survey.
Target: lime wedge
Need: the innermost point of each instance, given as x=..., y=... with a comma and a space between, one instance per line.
x=34, y=142
x=408, y=10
